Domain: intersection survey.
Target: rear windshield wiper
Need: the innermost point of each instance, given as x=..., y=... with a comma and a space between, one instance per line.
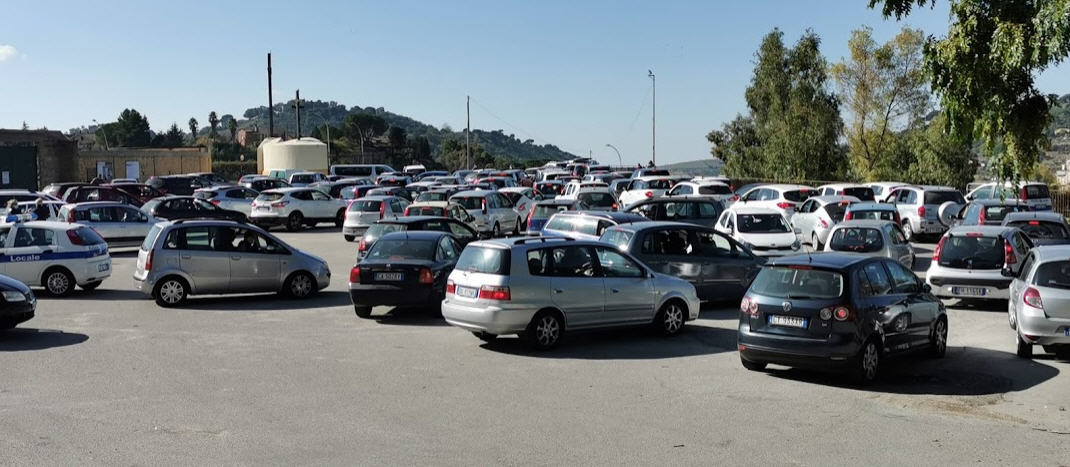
x=800, y=297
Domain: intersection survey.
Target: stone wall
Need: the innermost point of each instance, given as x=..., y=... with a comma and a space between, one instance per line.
x=148, y=161
x=56, y=154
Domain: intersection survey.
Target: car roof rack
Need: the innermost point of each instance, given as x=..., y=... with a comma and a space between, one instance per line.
x=523, y=241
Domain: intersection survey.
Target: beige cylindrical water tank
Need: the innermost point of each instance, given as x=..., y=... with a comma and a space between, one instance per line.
x=301, y=154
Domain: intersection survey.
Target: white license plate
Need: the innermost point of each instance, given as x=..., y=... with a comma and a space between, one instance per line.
x=103, y=267
x=788, y=321
x=388, y=276
x=969, y=291
x=467, y=292
x=263, y=208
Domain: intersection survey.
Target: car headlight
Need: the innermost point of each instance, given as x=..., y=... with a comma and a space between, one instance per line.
x=14, y=296
x=796, y=245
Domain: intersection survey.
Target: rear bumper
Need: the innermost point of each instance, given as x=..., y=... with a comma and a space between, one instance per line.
x=391, y=295
x=1037, y=328
x=928, y=226
x=945, y=286
x=354, y=230
x=490, y=319
x=270, y=220
x=832, y=353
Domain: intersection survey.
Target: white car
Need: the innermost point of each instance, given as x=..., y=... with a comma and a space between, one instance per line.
x=1035, y=194
x=881, y=190
x=969, y=262
x=522, y=197
x=120, y=224
x=765, y=231
x=644, y=188
x=816, y=216
x=781, y=198
x=574, y=187
x=493, y=212
x=363, y=212
x=862, y=192
x=440, y=209
x=715, y=189
x=1039, y=308
x=234, y=198
x=54, y=255
x=296, y=207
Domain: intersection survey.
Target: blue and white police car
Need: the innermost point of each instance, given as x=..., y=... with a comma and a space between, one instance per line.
x=56, y=255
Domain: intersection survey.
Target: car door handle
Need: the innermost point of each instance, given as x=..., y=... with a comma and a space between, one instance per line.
x=236, y=258
x=559, y=291
x=186, y=256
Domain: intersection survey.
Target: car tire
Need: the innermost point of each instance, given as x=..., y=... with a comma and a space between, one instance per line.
x=300, y=285
x=362, y=311
x=938, y=339
x=485, y=336
x=752, y=366
x=340, y=218
x=58, y=282
x=1025, y=349
x=908, y=231
x=516, y=228
x=867, y=363
x=294, y=221
x=170, y=292
x=349, y=238
x=91, y=285
x=545, y=330
x=670, y=318
x=496, y=231
x=814, y=243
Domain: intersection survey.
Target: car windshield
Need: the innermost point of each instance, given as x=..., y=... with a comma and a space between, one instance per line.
x=943, y=196
x=470, y=202
x=863, y=193
x=1041, y=229
x=763, y=223
x=797, y=282
x=857, y=240
x=484, y=260
x=836, y=211
x=366, y=205
x=797, y=196
x=402, y=248
x=597, y=199
x=617, y=238
x=662, y=184
x=512, y=195
x=425, y=211
x=1055, y=274
x=269, y=197
x=878, y=215
x=432, y=196
x=972, y=252
x=578, y=224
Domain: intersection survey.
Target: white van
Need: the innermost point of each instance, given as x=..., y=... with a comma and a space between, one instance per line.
x=368, y=171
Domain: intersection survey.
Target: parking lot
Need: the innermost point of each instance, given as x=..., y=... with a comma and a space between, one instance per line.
x=107, y=377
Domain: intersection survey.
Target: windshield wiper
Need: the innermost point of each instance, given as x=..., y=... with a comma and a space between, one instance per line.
x=799, y=297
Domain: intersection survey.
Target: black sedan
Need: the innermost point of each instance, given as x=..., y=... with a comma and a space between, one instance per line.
x=718, y=266
x=404, y=269
x=188, y=207
x=17, y=303
x=462, y=232
x=838, y=311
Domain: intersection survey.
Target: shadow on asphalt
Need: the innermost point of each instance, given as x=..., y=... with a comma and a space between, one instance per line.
x=101, y=294
x=265, y=302
x=996, y=306
x=633, y=343
x=964, y=371
x=25, y=339
x=410, y=316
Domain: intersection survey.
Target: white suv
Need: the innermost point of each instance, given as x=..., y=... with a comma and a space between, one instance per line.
x=540, y=288
x=493, y=212
x=296, y=207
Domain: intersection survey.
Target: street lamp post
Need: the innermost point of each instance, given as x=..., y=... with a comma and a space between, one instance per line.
x=103, y=132
x=653, y=119
x=619, y=159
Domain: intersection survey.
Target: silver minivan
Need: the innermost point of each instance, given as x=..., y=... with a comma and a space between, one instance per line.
x=871, y=238
x=185, y=257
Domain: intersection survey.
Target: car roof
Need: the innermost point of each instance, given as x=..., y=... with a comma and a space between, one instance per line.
x=844, y=185
x=434, y=204
x=1051, y=216
x=415, y=235
x=647, y=178
x=614, y=216
x=999, y=202
x=1049, y=253
x=835, y=199
x=753, y=210
x=987, y=230
x=510, y=189
x=376, y=198
x=45, y=224
x=532, y=242
x=675, y=199
x=471, y=193
x=874, y=223
x=556, y=202
x=782, y=187
x=870, y=205
x=651, y=225
x=89, y=204
x=829, y=260
x=413, y=219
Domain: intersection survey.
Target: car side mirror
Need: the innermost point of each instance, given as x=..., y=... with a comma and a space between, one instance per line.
x=1008, y=272
x=926, y=288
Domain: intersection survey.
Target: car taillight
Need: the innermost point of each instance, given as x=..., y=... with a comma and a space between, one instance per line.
x=1008, y=253
x=354, y=275
x=842, y=313
x=824, y=224
x=749, y=307
x=530, y=215
x=407, y=211
x=382, y=210
x=490, y=292
x=939, y=247
x=280, y=204
x=615, y=207
x=921, y=211
x=784, y=205
x=70, y=217
x=362, y=246
x=847, y=216
x=425, y=276
x=483, y=206
x=981, y=218
x=148, y=261
x=735, y=198
x=1031, y=297
x=1023, y=193
x=451, y=288
x=74, y=238
x=215, y=202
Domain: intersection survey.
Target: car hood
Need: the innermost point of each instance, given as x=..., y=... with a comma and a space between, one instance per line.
x=760, y=239
x=8, y=283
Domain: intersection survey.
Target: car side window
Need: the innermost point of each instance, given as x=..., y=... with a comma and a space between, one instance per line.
x=460, y=231
x=3, y=236
x=615, y=264
x=806, y=207
x=714, y=245
x=540, y=262
x=912, y=197
x=708, y=211
x=319, y=195
x=879, y=283
x=132, y=215
x=190, y=238
x=903, y=280
x=446, y=252
x=1021, y=242
x=572, y=261
x=30, y=236
x=674, y=242
x=752, y=195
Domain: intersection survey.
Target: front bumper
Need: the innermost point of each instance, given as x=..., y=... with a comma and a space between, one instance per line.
x=12, y=314
x=832, y=353
x=391, y=295
x=491, y=319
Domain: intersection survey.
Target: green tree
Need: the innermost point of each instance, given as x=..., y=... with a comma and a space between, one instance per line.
x=232, y=127
x=193, y=128
x=938, y=156
x=453, y=155
x=396, y=137
x=213, y=123
x=364, y=125
x=738, y=146
x=984, y=71
x=131, y=130
x=883, y=88
x=174, y=137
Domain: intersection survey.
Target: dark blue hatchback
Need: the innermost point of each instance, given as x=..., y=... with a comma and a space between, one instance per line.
x=839, y=312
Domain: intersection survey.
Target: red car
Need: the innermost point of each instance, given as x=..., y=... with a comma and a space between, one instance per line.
x=140, y=191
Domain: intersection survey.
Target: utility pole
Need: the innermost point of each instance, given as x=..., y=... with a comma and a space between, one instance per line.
x=297, y=108
x=468, y=134
x=271, y=108
x=653, y=119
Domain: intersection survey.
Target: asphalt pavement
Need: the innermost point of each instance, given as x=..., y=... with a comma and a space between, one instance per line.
x=107, y=377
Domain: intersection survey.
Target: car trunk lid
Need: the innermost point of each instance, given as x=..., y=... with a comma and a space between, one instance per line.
x=788, y=300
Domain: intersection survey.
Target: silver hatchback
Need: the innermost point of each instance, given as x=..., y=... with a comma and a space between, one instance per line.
x=871, y=238
x=183, y=258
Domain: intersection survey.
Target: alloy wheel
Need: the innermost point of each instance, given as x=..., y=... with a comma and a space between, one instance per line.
x=870, y=360
x=547, y=331
x=674, y=319
x=300, y=286
x=58, y=283
x=172, y=291
x=941, y=336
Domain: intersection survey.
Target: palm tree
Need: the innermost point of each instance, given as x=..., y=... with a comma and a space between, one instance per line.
x=213, y=122
x=232, y=126
x=193, y=128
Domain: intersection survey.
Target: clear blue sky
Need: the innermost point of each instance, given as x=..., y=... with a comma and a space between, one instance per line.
x=572, y=73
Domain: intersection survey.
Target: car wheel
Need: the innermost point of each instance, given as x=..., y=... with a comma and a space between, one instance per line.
x=58, y=282
x=814, y=243
x=497, y=231
x=362, y=311
x=938, y=339
x=349, y=238
x=867, y=364
x=485, y=336
x=670, y=319
x=300, y=285
x=908, y=231
x=545, y=330
x=293, y=223
x=516, y=228
x=752, y=366
x=340, y=218
x=1012, y=319
x=91, y=285
x=1025, y=349
x=170, y=292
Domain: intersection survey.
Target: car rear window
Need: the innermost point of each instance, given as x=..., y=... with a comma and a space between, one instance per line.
x=432, y=196
x=617, y=238
x=714, y=190
x=659, y=184
x=1055, y=274
x=857, y=240
x=89, y=236
x=1036, y=192
x=352, y=171
x=400, y=249
x=597, y=199
x=470, y=202
x=150, y=238
x=943, y=196
x=378, y=230
x=544, y=211
x=762, y=223
x=836, y=211
x=269, y=196
x=997, y=213
x=367, y=205
x=862, y=193
x=797, y=196
x=484, y=260
x=577, y=224
x=1041, y=229
x=425, y=211
x=797, y=283
x=656, y=172
x=972, y=252
x=879, y=215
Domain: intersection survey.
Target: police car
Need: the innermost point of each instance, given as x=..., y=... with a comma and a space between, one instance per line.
x=56, y=255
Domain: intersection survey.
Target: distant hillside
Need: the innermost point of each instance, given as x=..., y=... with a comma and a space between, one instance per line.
x=702, y=167
x=315, y=113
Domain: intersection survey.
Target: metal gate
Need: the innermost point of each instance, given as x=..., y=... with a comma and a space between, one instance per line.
x=18, y=167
